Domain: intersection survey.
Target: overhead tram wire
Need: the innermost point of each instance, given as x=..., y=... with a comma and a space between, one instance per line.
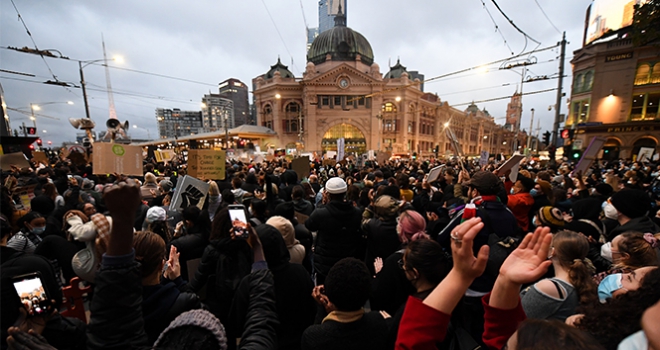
x=32, y=39
x=546, y=17
x=504, y=98
x=497, y=28
x=279, y=34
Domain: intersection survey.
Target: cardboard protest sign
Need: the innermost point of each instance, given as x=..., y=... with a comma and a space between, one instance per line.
x=512, y=164
x=17, y=159
x=589, y=155
x=25, y=194
x=383, y=157
x=40, y=157
x=301, y=167
x=484, y=158
x=434, y=173
x=164, y=155
x=645, y=154
x=207, y=164
x=189, y=192
x=329, y=162
x=110, y=158
x=78, y=158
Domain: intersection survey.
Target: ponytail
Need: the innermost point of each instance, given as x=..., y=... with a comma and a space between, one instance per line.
x=580, y=274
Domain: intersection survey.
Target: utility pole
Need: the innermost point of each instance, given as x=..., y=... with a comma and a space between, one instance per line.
x=84, y=90
x=530, y=134
x=562, y=57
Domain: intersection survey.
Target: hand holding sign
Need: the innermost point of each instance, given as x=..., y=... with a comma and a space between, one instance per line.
x=191, y=196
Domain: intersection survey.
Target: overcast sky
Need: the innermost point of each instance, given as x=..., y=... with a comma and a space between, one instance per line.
x=210, y=41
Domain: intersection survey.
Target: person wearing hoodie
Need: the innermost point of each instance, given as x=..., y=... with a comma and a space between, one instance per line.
x=337, y=227
x=381, y=231
x=520, y=201
x=632, y=207
x=296, y=308
x=300, y=204
x=285, y=227
x=163, y=299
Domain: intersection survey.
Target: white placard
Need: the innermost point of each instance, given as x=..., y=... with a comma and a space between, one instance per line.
x=189, y=191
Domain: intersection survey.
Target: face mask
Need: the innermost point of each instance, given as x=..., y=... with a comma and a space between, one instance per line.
x=606, y=251
x=512, y=191
x=609, y=285
x=634, y=168
x=535, y=222
x=38, y=230
x=534, y=192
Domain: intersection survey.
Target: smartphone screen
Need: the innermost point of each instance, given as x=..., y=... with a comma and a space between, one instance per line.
x=238, y=220
x=32, y=294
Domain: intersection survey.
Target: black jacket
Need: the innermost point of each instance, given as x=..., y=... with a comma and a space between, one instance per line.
x=293, y=292
x=382, y=240
x=642, y=224
x=224, y=263
x=303, y=206
x=390, y=289
x=162, y=303
x=338, y=234
x=191, y=246
x=369, y=332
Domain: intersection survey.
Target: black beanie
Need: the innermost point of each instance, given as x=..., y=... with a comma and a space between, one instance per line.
x=631, y=203
x=43, y=205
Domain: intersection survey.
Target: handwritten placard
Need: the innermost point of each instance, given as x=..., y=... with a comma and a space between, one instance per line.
x=110, y=158
x=206, y=164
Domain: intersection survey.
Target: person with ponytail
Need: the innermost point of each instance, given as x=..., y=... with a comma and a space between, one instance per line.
x=390, y=287
x=572, y=287
x=628, y=252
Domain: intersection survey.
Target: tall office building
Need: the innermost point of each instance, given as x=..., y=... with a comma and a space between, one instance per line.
x=174, y=122
x=237, y=91
x=328, y=9
x=217, y=113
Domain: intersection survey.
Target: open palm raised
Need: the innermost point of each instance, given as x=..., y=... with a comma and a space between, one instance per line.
x=530, y=260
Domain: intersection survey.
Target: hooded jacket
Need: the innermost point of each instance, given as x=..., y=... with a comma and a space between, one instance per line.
x=642, y=224
x=303, y=206
x=520, y=205
x=293, y=292
x=338, y=234
x=162, y=303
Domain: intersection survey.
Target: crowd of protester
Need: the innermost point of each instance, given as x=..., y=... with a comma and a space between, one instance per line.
x=373, y=256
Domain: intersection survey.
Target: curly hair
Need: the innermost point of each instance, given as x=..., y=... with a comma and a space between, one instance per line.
x=348, y=284
x=620, y=317
x=571, y=249
x=539, y=334
x=640, y=252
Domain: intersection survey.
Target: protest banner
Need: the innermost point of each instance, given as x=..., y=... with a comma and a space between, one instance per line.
x=484, y=158
x=189, y=192
x=16, y=159
x=340, y=149
x=25, y=194
x=383, y=157
x=164, y=155
x=645, y=154
x=110, y=158
x=301, y=167
x=434, y=173
x=40, y=157
x=589, y=155
x=206, y=164
x=512, y=164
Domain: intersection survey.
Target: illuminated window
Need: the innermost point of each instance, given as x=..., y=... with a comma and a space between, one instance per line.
x=389, y=107
x=642, y=75
x=645, y=106
x=580, y=111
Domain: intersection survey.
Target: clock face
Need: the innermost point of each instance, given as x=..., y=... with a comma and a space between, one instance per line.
x=343, y=83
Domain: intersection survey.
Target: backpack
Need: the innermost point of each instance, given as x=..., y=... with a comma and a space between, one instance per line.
x=500, y=247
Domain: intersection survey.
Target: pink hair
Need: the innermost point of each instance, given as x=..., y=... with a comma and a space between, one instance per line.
x=411, y=226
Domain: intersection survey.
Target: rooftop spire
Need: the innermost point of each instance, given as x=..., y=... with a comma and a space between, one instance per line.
x=340, y=18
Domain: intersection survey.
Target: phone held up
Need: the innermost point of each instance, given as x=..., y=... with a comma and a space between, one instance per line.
x=238, y=216
x=32, y=293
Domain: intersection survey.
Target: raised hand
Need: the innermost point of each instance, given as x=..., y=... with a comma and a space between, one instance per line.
x=462, y=239
x=173, y=267
x=378, y=264
x=123, y=199
x=529, y=261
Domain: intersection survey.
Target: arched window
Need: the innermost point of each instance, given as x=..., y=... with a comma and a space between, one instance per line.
x=268, y=117
x=577, y=83
x=588, y=81
x=292, y=117
x=292, y=107
x=655, y=75
x=642, y=75
x=389, y=107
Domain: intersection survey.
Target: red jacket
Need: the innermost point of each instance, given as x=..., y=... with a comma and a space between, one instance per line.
x=422, y=326
x=520, y=205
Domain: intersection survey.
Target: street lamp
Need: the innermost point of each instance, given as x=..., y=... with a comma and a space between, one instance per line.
x=148, y=133
x=82, y=78
x=36, y=107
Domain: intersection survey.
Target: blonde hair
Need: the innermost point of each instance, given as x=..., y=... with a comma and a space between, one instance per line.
x=213, y=189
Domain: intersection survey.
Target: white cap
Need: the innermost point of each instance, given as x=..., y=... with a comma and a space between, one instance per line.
x=336, y=185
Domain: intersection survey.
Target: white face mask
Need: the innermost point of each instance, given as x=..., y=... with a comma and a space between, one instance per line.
x=636, y=341
x=606, y=251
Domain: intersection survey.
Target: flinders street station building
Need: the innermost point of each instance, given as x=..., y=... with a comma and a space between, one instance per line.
x=344, y=94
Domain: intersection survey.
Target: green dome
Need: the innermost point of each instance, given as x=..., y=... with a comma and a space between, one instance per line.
x=342, y=43
x=396, y=71
x=279, y=67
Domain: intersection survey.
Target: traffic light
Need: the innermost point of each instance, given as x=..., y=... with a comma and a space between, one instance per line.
x=39, y=142
x=31, y=130
x=546, y=138
x=576, y=154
